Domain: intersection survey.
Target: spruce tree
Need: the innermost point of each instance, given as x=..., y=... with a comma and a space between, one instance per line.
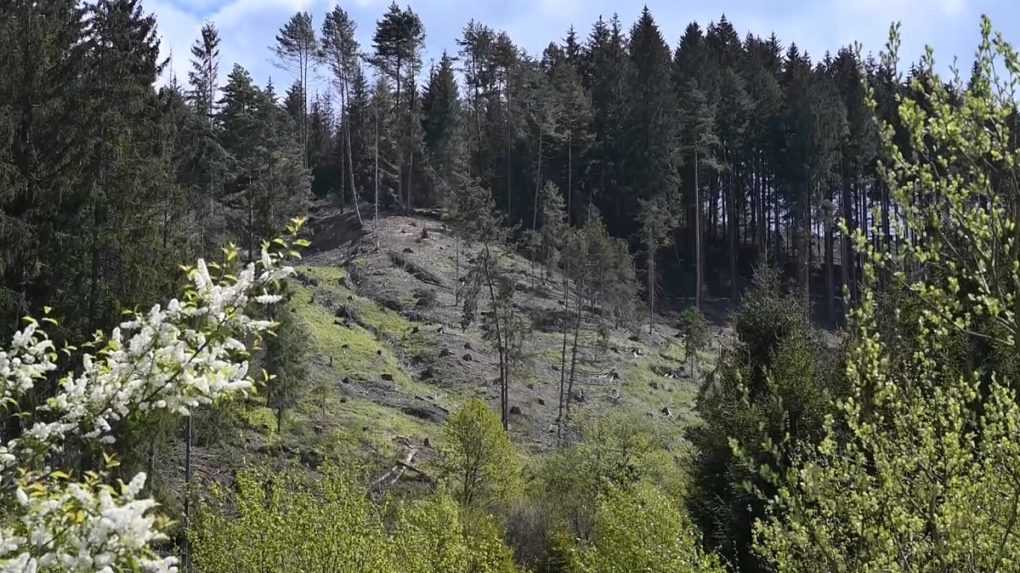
x=442, y=125
x=651, y=120
x=203, y=76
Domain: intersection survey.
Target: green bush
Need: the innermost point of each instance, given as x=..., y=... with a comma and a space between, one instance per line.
x=479, y=464
x=768, y=397
x=280, y=522
x=642, y=529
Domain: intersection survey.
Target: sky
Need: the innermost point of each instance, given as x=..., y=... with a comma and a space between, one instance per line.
x=248, y=27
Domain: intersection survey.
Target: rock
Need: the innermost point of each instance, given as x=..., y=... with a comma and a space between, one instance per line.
x=516, y=410
x=387, y=377
x=425, y=412
x=466, y=358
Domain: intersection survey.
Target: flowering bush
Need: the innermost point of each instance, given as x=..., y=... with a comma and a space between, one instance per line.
x=178, y=357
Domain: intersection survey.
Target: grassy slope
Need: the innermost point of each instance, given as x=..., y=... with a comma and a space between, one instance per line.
x=350, y=408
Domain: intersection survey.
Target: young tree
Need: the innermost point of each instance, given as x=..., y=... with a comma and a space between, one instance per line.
x=286, y=353
x=917, y=469
x=488, y=278
x=694, y=328
x=657, y=219
x=478, y=459
x=642, y=530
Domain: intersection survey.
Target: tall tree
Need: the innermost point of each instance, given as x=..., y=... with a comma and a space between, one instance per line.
x=398, y=40
x=204, y=73
x=651, y=123
x=442, y=125
x=295, y=49
x=339, y=51
x=699, y=141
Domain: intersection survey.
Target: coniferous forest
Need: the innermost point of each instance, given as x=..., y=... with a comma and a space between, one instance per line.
x=633, y=303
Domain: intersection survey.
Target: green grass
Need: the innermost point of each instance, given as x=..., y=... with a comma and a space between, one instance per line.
x=336, y=425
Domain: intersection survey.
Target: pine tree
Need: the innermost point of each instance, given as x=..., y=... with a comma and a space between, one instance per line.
x=339, y=51
x=398, y=41
x=295, y=49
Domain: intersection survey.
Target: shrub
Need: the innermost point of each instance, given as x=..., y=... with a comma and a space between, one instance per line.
x=642, y=529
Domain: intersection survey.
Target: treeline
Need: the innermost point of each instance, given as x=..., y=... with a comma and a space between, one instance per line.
x=709, y=158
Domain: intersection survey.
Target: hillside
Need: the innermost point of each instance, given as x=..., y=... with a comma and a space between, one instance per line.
x=388, y=358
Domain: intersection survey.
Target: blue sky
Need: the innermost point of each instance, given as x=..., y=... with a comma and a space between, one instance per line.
x=248, y=27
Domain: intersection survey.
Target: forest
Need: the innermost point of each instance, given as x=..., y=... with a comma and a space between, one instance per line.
x=634, y=303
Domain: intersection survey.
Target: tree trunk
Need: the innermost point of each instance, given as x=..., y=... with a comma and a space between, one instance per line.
x=830, y=279
x=579, y=303
x=651, y=281
x=375, y=216
x=733, y=230
x=698, y=255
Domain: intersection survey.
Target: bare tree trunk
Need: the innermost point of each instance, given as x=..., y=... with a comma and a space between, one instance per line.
x=579, y=302
x=651, y=280
x=375, y=216
x=732, y=230
x=563, y=362
x=698, y=258
x=830, y=278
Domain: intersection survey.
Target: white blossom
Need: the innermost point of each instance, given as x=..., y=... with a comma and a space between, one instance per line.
x=175, y=357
